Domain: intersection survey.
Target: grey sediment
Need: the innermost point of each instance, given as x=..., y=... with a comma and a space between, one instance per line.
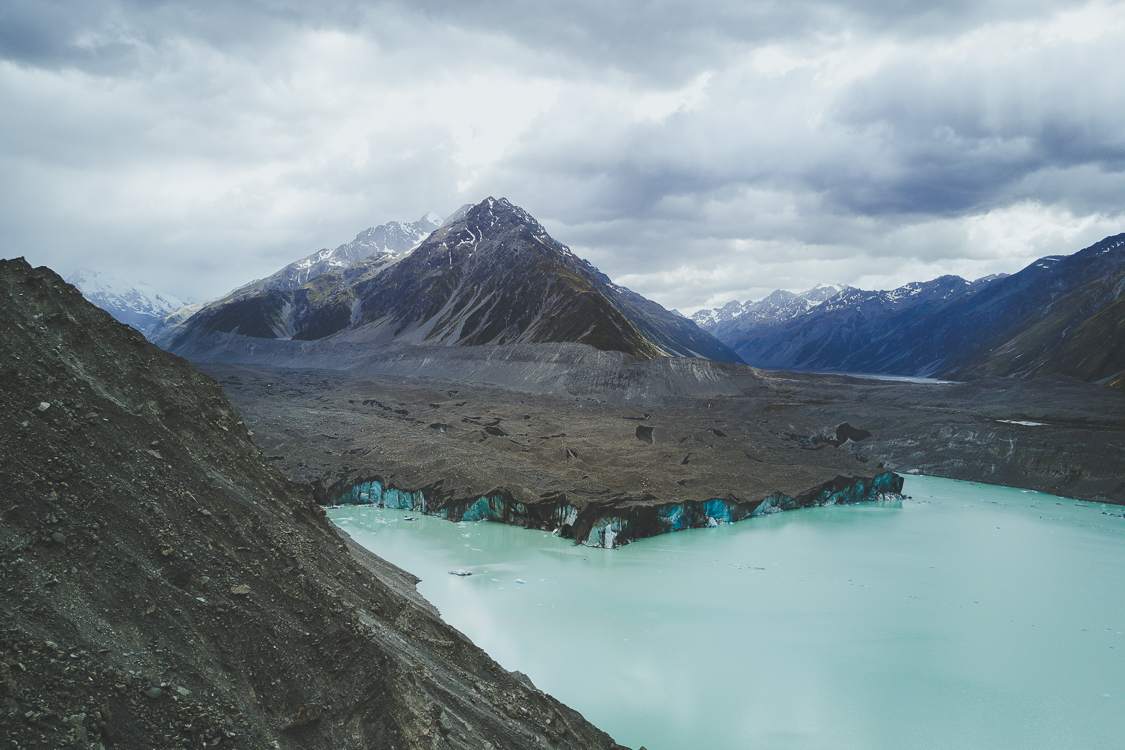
x=539, y=421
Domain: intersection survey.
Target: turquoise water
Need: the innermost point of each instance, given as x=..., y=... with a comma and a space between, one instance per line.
x=967, y=617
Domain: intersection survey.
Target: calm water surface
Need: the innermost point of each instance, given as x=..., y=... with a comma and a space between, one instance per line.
x=966, y=617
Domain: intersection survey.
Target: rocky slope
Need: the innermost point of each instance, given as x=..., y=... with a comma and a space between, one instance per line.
x=1062, y=315
x=138, y=305
x=492, y=277
x=164, y=587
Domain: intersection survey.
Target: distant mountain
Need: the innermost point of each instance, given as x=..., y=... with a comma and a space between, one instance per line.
x=1062, y=315
x=841, y=328
x=384, y=240
x=491, y=276
x=135, y=304
x=778, y=306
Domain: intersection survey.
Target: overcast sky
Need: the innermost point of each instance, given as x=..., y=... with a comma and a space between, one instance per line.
x=697, y=152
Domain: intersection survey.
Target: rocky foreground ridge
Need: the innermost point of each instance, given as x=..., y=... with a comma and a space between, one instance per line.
x=162, y=586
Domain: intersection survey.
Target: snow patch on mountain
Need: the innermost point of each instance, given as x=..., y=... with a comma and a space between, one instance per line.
x=390, y=239
x=778, y=305
x=134, y=303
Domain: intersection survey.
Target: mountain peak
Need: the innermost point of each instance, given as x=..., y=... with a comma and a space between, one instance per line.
x=491, y=211
x=430, y=221
x=491, y=276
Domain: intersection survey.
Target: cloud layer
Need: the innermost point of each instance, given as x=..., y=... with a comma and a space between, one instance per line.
x=696, y=153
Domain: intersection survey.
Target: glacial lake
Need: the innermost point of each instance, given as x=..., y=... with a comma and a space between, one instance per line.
x=967, y=617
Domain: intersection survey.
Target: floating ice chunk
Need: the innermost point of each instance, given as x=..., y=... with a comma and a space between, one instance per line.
x=460, y=572
x=520, y=580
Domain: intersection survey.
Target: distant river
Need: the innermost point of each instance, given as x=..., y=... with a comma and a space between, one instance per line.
x=967, y=617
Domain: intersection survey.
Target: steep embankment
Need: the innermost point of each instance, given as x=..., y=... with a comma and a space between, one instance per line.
x=615, y=522
x=165, y=587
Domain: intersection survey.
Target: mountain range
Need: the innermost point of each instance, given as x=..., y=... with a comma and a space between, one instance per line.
x=1063, y=314
x=490, y=275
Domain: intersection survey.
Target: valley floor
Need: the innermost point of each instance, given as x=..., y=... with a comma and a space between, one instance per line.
x=331, y=429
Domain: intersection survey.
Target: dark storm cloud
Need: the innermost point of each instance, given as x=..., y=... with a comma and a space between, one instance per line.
x=929, y=136
x=109, y=36
x=914, y=139
x=672, y=40
x=972, y=136
x=657, y=38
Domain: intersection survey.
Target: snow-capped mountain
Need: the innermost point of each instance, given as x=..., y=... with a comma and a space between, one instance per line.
x=136, y=304
x=779, y=305
x=384, y=240
x=835, y=326
x=491, y=277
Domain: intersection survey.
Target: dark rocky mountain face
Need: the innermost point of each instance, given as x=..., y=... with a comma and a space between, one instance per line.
x=1060, y=315
x=164, y=586
x=493, y=276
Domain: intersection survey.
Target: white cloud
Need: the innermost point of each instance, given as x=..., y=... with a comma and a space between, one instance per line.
x=696, y=153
